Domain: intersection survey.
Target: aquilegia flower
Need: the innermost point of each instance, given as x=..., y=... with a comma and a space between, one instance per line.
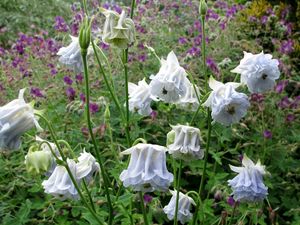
x=184, y=142
x=37, y=161
x=170, y=83
x=184, y=206
x=190, y=100
x=258, y=71
x=71, y=55
x=86, y=166
x=227, y=105
x=140, y=98
x=118, y=30
x=248, y=184
x=59, y=184
x=16, y=117
x=147, y=169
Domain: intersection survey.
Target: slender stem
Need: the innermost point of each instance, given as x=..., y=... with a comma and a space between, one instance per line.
x=102, y=168
x=89, y=194
x=125, y=64
x=143, y=208
x=132, y=8
x=233, y=212
x=209, y=119
x=68, y=169
x=195, y=115
x=177, y=193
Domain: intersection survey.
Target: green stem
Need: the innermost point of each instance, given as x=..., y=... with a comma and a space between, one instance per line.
x=177, y=193
x=102, y=169
x=233, y=212
x=125, y=64
x=203, y=52
x=68, y=169
x=143, y=208
x=89, y=194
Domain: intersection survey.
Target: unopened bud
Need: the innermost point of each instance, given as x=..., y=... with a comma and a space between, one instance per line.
x=202, y=8
x=38, y=161
x=107, y=114
x=85, y=35
x=170, y=137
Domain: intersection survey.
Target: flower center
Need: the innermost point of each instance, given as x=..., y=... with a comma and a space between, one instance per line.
x=147, y=185
x=231, y=109
x=264, y=76
x=164, y=91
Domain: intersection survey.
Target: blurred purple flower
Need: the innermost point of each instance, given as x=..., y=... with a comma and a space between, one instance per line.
x=182, y=40
x=68, y=80
x=70, y=93
x=295, y=103
x=230, y=201
x=212, y=65
x=142, y=58
x=256, y=97
x=284, y=102
x=82, y=97
x=60, y=24
x=264, y=20
x=194, y=51
x=36, y=92
x=279, y=88
x=267, y=134
x=147, y=198
x=153, y=115
x=223, y=24
x=53, y=71
x=290, y=118
x=287, y=46
x=79, y=78
x=94, y=107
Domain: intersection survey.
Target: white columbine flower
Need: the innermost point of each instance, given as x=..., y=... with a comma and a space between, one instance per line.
x=118, y=30
x=16, y=117
x=248, y=184
x=189, y=101
x=184, y=142
x=71, y=55
x=227, y=105
x=184, y=205
x=147, y=169
x=258, y=71
x=86, y=166
x=140, y=98
x=170, y=83
x=59, y=184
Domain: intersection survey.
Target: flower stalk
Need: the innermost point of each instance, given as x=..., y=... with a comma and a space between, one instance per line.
x=177, y=193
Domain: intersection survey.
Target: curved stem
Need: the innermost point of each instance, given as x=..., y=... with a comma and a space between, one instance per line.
x=103, y=171
x=177, y=193
x=143, y=208
x=89, y=194
x=68, y=168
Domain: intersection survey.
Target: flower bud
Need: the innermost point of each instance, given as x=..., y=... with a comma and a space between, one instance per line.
x=38, y=161
x=107, y=114
x=85, y=35
x=171, y=137
x=202, y=8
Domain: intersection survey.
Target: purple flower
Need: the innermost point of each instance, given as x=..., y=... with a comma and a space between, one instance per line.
x=295, y=103
x=53, y=71
x=70, y=93
x=82, y=97
x=94, y=107
x=284, y=102
x=79, y=78
x=212, y=65
x=257, y=98
x=267, y=134
x=279, y=88
x=36, y=92
x=147, y=198
x=142, y=58
x=287, y=46
x=194, y=51
x=223, y=25
x=264, y=20
x=68, y=80
x=153, y=115
x=230, y=201
x=60, y=24
x=182, y=40
x=290, y=118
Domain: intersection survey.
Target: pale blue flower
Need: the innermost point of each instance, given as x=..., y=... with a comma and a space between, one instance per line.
x=248, y=184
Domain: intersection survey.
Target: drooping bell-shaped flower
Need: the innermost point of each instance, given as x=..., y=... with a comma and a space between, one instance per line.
x=184, y=206
x=16, y=117
x=184, y=143
x=170, y=83
x=190, y=100
x=118, y=30
x=147, y=169
x=71, y=55
x=258, y=71
x=59, y=184
x=227, y=105
x=140, y=98
x=86, y=166
x=38, y=161
x=248, y=184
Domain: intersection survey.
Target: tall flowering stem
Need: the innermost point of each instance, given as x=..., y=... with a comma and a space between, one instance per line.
x=88, y=116
x=177, y=194
x=125, y=63
x=202, y=10
x=65, y=164
x=143, y=208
